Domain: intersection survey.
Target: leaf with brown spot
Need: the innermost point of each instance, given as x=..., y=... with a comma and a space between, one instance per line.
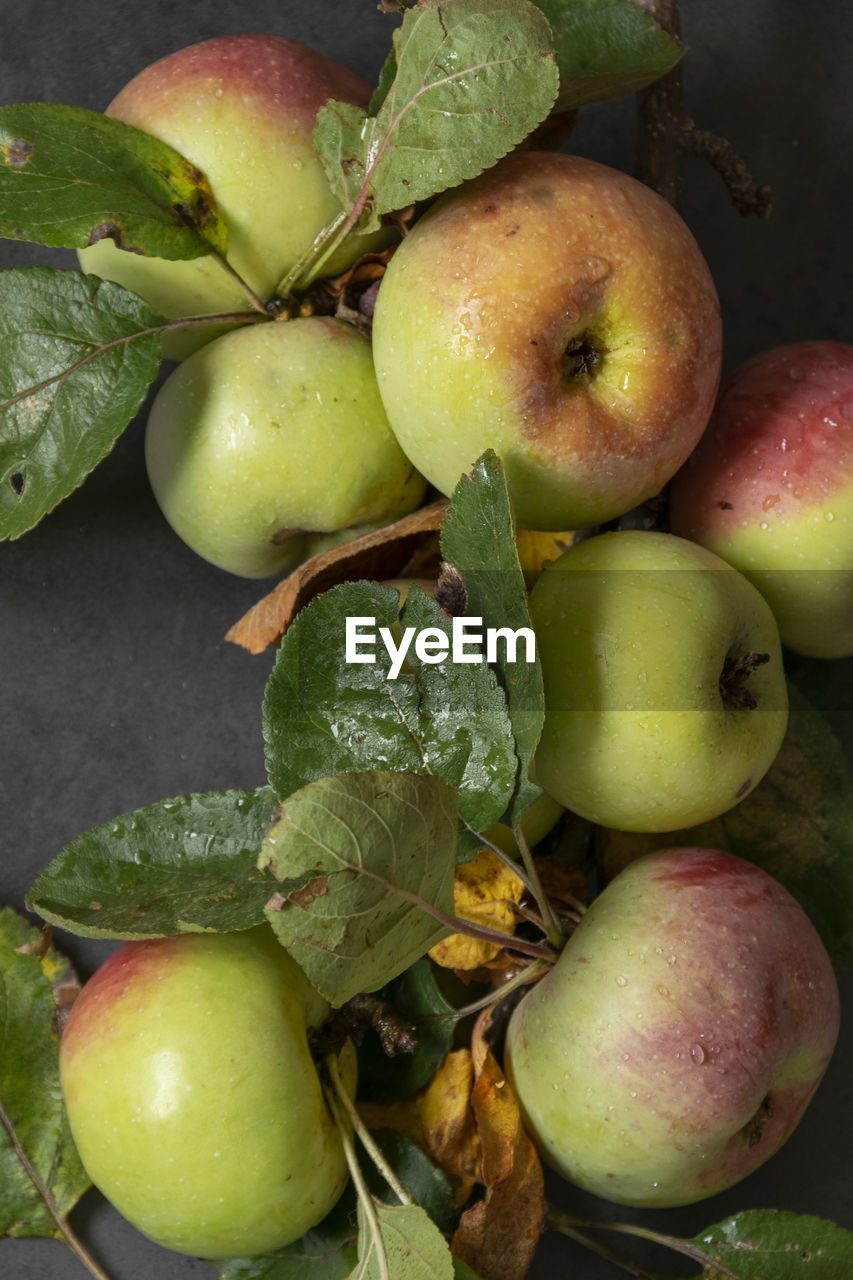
x=70, y=177
x=376, y=555
x=486, y=892
x=498, y=1235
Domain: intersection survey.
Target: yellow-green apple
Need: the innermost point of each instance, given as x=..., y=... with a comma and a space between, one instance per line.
x=769, y=488
x=193, y=1097
x=271, y=435
x=681, y=1034
x=242, y=108
x=561, y=313
x=665, y=695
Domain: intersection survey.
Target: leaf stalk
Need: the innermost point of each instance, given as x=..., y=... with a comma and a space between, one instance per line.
x=69, y=1236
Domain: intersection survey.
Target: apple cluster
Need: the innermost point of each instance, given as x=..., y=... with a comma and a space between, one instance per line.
x=560, y=313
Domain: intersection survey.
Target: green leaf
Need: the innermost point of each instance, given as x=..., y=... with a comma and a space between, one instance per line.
x=412, y=1245
x=415, y=996
x=606, y=49
x=478, y=539
x=360, y=857
x=469, y=739
x=423, y=1180
x=70, y=177
x=185, y=865
x=763, y=1243
x=332, y=717
x=473, y=78
x=77, y=355
x=797, y=825
x=34, y=1133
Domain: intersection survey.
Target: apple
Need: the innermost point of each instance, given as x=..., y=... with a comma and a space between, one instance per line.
x=681, y=1033
x=193, y=1097
x=665, y=695
x=242, y=108
x=561, y=313
x=269, y=435
x=769, y=488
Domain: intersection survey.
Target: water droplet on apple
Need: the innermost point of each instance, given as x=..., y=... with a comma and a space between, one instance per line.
x=621, y=981
x=796, y=373
x=830, y=515
x=698, y=1054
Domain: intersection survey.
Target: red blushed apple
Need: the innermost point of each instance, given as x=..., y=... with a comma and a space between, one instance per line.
x=243, y=109
x=681, y=1034
x=561, y=313
x=769, y=488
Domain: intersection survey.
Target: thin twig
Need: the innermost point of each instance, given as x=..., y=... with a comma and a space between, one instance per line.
x=69, y=1236
x=364, y=1135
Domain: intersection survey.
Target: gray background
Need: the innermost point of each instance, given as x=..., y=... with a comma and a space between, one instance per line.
x=116, y=688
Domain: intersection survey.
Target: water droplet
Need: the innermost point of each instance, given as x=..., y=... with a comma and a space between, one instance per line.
x=621, y=982
x=698, y=1054
x=830, y=515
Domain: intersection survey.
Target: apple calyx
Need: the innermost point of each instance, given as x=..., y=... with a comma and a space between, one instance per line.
x=581, y=358
x=754, y=1128
x=735, y=673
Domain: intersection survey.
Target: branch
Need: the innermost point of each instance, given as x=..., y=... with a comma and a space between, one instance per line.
x=667, y=132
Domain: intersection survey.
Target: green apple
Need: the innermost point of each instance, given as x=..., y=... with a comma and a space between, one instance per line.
x=270, y=434
x=665, y=695
x=242, y=108
x=679, y=1037
x=193, y=1097
x=770, y=489
x=561, y=313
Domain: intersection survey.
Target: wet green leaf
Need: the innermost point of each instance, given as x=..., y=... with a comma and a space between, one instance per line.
x=477, y=538
x=472, y=78
x=184, y=865
x=332, y=717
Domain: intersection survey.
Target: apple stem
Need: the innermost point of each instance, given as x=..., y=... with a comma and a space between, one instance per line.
x=364, y=1135
x=68, y=1234
x=569, y=1225
x=257, y=303
x=562, y=1223
x=307, y=268
x=553, y=932
x=521, y=979
x=362, y=1190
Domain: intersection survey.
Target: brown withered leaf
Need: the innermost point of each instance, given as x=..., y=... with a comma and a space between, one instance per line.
x=377, y=555
x=498, y=1235
x=440, y=1120
x=486, y=892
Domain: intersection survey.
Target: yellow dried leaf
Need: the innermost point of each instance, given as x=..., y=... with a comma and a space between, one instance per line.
x=440, y=1120
x=380, y=554
x=536, y=549
x=498, y=1235
x=486, y=892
